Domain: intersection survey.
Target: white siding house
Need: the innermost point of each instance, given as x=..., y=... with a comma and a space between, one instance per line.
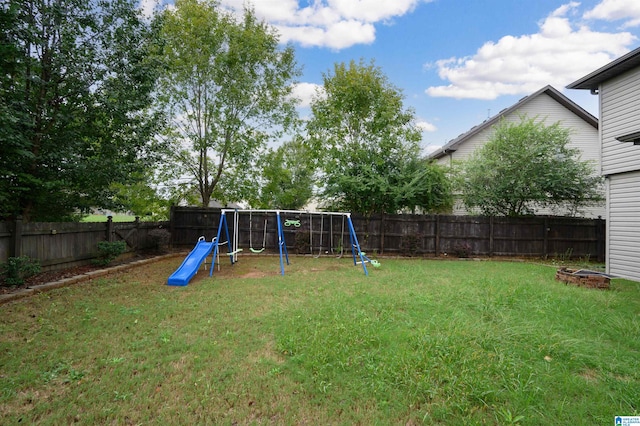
x=547, y=105
x=618, y=87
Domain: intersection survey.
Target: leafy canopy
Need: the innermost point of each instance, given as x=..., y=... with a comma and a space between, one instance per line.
x=75, y=97
x=367, y=145
x=528, y=165
x=226, y=88
x=287, y=177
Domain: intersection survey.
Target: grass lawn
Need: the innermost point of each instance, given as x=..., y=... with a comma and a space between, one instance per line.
x=416, y=342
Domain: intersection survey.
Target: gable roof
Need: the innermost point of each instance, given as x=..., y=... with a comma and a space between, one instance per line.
x=453, y=144
x=613, y=69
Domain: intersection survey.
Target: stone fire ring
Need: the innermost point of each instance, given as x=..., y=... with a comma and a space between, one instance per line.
x=583, y=278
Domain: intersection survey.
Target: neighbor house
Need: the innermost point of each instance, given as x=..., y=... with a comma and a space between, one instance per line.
x=547, y=105
x=618, y=87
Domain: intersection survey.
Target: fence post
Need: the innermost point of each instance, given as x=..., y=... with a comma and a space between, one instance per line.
x=382, y=233
x=110, y=229
x=600, y=238
x=16, y=247
x=545, y=244
x=137, y=227
x=491, y=235
x=436, y=243
x=172, y=224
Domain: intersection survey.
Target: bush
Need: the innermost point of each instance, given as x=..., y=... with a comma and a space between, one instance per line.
x=108, y=251
x=302, y=242
x=17, y=269
x=410, y=244
x=161, y=239
x=462, y=250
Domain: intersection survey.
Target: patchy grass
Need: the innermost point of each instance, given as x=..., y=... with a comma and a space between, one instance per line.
x=416, y=342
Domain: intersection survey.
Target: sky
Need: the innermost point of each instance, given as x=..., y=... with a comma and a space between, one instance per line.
x=457, y=62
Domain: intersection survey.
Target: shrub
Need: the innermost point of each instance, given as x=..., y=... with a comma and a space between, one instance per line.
x=108, y=251
x=160, y=238
x=302, y=242
x=462, y=249
x=17, y=269
x=411, y=244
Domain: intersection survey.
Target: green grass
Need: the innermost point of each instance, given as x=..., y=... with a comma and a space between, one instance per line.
x=416, y=342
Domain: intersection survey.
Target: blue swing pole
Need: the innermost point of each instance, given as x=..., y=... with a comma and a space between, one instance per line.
x=223, y=221
x=355, y=244
x=281, y=243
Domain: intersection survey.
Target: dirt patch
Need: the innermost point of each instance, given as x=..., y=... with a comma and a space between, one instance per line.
x=258, y=274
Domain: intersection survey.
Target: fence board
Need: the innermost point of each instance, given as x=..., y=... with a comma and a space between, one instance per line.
x=422, y=235
x=66, y=244
x=59, y=245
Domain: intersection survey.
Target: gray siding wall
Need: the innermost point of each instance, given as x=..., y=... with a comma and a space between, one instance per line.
x=620, y=115
x=623, y=225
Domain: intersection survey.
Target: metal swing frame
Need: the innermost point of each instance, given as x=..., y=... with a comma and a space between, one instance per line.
x=359, y=258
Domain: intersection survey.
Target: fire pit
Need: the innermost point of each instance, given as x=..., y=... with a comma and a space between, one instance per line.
x=583, y=278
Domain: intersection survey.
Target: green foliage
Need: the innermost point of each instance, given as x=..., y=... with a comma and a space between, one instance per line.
x=18, y=268
x=108, y=251
x=226, y=88
x=525, y=166
x=367, y=146
x=75, y=95
x=287, y=177
x=142, y=199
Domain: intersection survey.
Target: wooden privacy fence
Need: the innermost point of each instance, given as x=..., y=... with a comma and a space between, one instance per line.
x=58, y=245
x=61, y=245
x=413, y=235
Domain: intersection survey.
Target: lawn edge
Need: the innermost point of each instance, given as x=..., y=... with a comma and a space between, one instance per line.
x=41, y=288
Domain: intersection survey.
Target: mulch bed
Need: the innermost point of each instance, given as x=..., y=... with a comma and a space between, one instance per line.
x=61, y=274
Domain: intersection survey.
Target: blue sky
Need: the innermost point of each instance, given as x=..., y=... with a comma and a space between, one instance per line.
x=457, y=62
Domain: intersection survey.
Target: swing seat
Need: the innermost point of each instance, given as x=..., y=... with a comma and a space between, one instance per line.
x=256, y=250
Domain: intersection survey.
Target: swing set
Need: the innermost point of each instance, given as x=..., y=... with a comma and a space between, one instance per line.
x=283, y=220
x=203, y=249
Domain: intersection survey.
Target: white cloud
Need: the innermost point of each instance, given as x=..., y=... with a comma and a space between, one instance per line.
x=337, y=36
x=558, y=54
x=426, y=126
x=306, y=92
x=336, y=24
x=616, y=10
x=372, y=10
x=148, y=7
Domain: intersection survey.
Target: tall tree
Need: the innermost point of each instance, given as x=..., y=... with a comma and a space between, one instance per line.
x=227, y=87
x=287, y=177
x=528, y=165
x=75, y=95
x=367, y=144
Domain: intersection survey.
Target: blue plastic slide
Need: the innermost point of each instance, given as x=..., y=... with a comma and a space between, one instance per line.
x=191, y=263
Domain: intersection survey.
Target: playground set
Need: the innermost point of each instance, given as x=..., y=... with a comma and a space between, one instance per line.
x=204, y=249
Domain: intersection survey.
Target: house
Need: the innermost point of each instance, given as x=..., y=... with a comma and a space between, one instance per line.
x=549, y=106
x=618, y=87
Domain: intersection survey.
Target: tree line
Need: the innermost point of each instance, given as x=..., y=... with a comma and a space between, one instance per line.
x=102, y=107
